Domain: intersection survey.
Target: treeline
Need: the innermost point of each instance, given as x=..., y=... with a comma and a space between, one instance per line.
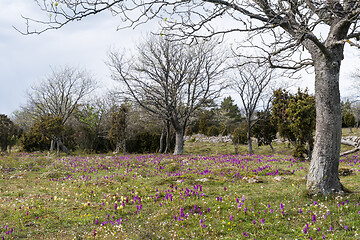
x=103, y=126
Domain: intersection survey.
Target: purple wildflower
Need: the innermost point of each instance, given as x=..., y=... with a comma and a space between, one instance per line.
x=281, y=206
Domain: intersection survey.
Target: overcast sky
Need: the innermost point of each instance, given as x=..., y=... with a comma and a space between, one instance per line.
x=26, y=60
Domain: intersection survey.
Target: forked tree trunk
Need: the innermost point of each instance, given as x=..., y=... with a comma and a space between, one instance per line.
x=179, y=142
x=323, y=174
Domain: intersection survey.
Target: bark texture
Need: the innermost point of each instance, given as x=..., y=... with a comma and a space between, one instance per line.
x=179, y=142
x=323, y=173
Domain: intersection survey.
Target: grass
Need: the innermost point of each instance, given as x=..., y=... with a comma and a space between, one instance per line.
x=207, y=195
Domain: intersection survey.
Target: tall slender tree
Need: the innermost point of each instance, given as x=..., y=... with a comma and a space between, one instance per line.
x=252, y=82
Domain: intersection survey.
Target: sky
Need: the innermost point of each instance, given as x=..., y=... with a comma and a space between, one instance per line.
x=26, y=60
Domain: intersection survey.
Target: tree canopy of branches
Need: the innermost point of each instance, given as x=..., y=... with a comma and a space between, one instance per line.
x=252, y=83
x=61, y=94
x=170, y=79
x=293, y=35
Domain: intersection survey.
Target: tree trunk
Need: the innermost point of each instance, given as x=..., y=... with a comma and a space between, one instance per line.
x=58, y=147
x=179, y=142
x=168, y=137
x=52, y=145
x=236, y=148
x=249, y=140
x=271, y=146
x=162, y=139
x=124, y=146
x=323, y=177
x=61, y=146
x=117, y=147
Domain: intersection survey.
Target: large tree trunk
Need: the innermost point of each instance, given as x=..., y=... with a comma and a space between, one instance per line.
x=179, y=142
x=323, y=177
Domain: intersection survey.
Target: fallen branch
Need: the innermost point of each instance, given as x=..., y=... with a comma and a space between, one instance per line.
x=349, y=152
x=349, y=143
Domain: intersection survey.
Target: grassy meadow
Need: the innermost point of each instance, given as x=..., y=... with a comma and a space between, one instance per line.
x=207, y=193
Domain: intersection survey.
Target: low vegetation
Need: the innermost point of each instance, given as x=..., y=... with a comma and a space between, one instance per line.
x=211, y=196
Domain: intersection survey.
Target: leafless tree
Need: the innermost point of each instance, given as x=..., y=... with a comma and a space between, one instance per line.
x=170, y=79
x=292, y=35
x=252, y=83
x=60, y=94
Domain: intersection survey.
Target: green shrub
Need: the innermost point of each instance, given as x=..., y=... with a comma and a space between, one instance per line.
x=143, y=142
x=213, y=131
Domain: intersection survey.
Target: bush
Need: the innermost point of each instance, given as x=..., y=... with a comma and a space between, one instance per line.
x=213, y=131
x=239, y=135
x=143, y=142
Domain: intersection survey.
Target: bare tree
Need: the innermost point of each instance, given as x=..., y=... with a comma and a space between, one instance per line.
x=170, y=79
x=252, y=83
x=293, y=35
x=60, y=94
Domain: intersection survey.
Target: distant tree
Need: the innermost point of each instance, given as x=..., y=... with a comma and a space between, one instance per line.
x=264, y=130
x=170, y=79
x=301, y=111
x=239, y=136
x=229, y=115
x=349, y=120
x=252, y=82
x=8, y=133
x=346, y=107
x=356, y=112
x=61, y=94
x=295, y=117
x=92, y=117
x=230, y=108
x=24, y=118
x=119, y=123
x=42, y=132
x=279, y=116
